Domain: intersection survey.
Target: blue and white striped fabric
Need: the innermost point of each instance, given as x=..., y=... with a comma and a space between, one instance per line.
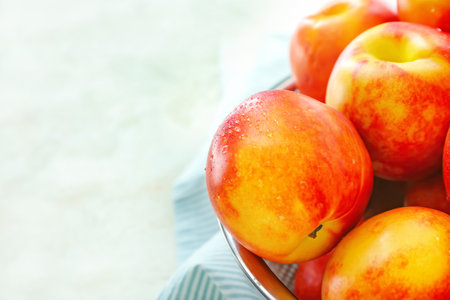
x=208, y=269
x=195, y=221
x=211, y=273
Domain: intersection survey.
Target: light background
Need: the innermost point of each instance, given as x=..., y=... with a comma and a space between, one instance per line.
x=102, y=104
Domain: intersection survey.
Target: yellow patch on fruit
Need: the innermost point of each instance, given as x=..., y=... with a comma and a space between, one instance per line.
x=267, y=196
x=401, y=253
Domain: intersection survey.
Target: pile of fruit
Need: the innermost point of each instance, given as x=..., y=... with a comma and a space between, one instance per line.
x=349, y=176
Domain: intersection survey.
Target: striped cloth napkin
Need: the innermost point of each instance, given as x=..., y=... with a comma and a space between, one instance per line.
x=208, y=269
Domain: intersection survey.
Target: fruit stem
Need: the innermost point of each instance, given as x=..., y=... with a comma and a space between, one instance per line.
x=314, y=233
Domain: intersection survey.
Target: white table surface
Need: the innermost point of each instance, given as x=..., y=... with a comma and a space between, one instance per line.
x=103, y=103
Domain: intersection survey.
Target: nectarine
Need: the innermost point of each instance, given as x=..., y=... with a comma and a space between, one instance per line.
x=393, y=83
x=288, y=176
x=308, y=278
x=399, y=254
x=320, y=38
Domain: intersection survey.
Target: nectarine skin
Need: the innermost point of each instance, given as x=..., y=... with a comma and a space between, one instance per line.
x=429, y=192
x=446, y=164
x=392, y=83
x=308, y=278
x=434, y=13
x=399, y=254
x=288, y=175
x=320, y=38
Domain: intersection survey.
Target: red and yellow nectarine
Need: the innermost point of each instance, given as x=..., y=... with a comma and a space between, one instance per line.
x=288, y=176
x=320, y=38
x=399, y=254
x=308, y=278
x=393, y=83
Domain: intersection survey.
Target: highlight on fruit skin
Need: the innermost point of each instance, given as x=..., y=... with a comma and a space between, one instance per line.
x=399, y=254
x=268, y=176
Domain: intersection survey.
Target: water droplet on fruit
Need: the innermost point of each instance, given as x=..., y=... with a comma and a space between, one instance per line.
x=237, y=121
x=237, y=129
x=224, y=149
x=230, y=131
